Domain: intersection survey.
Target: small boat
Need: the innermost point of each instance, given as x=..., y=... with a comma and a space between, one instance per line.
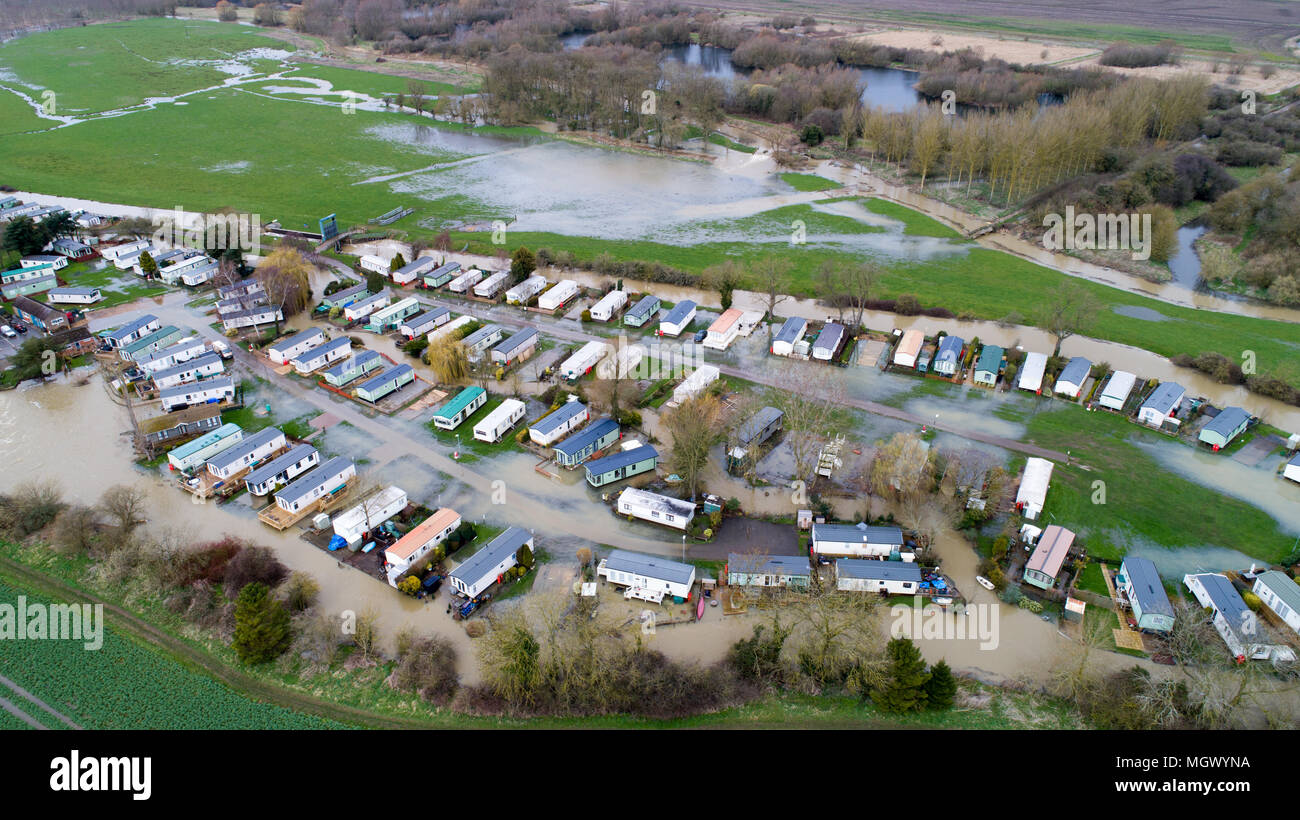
x=699, y=609
x=984, y=582
x=942, y=601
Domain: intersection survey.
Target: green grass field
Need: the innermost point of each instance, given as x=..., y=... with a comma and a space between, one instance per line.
x=809, y=182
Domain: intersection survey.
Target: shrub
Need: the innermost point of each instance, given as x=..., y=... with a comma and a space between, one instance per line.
x=428, y=667
x=253, y=564
x=262, y=630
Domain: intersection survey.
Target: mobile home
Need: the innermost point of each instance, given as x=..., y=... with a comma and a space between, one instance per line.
x=365, y=306
x=518, y=347
x=790, y=334
x=424, y=322
x=559, y=295
x=556, y=425
x=131, y=331
x=646, y=573
x=75, y=296
x=467, y=280
x=608, y=306
x=1117, y=390
x=769, y=571
x=441, y=275
x=695, y=384
x=1139, y=580
x=856, y=541
x=282, y=469
x=1048, y=557
x=485, y=567
x=356, y=522
x=448, y=328
x=1072, y=377
x=42, y=316
x=1032, y=494
x=419, y=542
x=622, y=464
x=1162, y=404
x=492, y=285
x=311, y=486
x=390, y=381
x=151, y=343
x=282, y=351
x=169, y=357
x=1223, y=428
x=591, y=439
x=209, y=391
x=499, y=422
x=655, y=508
x=193, y=453
x=909, y=347
x=757, y=429
x=678, y=319
x=947, y=361
x=247, y=453
x=322, y=355
x=989, y=366
x=482, y=339
x=345, y=297
x=523, y=293
x=375, y=264
x=413, y=270
x=172, y=426
x=828, y=342
x=452, y=414
x=581, y=362
x=1032, y=371
x=724, y=330
x=209, y=364
x=391, y=317
x=1236, y=624
x=1280, y=594
x=643, y=311
x=252, y=317
x=353, y=367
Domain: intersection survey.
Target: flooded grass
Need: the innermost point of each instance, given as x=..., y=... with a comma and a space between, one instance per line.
x=809, y=182
x=1143, y=500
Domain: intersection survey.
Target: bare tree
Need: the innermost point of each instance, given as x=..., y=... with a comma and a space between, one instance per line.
x=1071, y=309
x=124, y=507
x=902, y=467
x=813, y=416
x=695, y=426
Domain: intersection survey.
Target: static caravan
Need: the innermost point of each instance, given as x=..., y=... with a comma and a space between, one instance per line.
x=642, y=312
x=652, y=576
x=1032, y=371
x=1236, y=624
x=323, y=355
x=26, y=288
x=909, y=347
x=518, y=347
x=345, y=297
x=864, y=575
x=581, y=362
x=947, y=361
x=115, y=252
x=828, y=342
x=391, y=317
x=757, y=429
x=591, y=439
x=482, y=339
x=283, y=351
x=75, y=296
x=353, y=367
x=56, y=263
x=1292, y=469
x=1280, y=594
x=375, y=264
x=209, y=364
x=678, y=319
x=311, y=486
x=1032, y=494
x=209, y=391
x=622, y=464
x=791, y=332
x=491, y=286
x=44, y=317
x=131, y=331
x=1072, y=377
x=130, y=259
x=452, y=414
x=225, y=306
x=355, y=522
x=192, y=422
x=362, y=308
x=485, y=567
x=724, y=330
x=193, y=453
x=171, y=356
x=500, y=421
x=201, y=274
x=608, y=306
x=467, y=280
x=856, y=540
x=423, y=323
x=441, y=275
x=768, y=571
x=655, y=508
x=1162, y=404
x=558, y=295
x=1048, y=557
x=449, y=328
x=989, y=366
x=695, y=384
x=282, y=469
x=390, y=381
x=248, y=453
x=1223, y=428
x=26, y=273
x=419, y=542
x=161, y=338
x=523, y=293
x=252, y=317
x=1117, y=390
x=1140, y=582
x=247, y=289
x=411, y=271
x=556, y=425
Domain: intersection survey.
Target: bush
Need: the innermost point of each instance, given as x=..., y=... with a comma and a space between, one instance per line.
x=262, y=630
x=428, y=668
x=253, y=565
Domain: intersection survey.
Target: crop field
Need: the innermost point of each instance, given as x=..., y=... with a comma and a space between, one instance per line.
x=124, y=685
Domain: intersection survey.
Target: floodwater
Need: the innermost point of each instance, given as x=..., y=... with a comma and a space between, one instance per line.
x=1185, y=264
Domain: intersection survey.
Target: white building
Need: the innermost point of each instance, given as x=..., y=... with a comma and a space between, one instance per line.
x=193, y=453
x=864, y=575
x=362, y=308
x=448, y=328
x=695, y=384
x=724, y=329
x=647, y=576
x=422, y=323
x=523, y=293
x=115, y=252
x=790, y=334
x=492, y=285
x=247, y=453
x=608, y=306
x=209, y=391
x=556, y=425
x=1292, y=469
x=353, y=523
x=1162, y=404
x=74, y=296
x=322, y=355
x=1032, y=494
x=402, y=556
x=1117, y=390
x=678, y=319
x=281, y=469
x=1240, y=629
x=375, y=264
x=467, y=280
x=577, y=365
x=283, y=351
x=558, y=295
x=209, y=364
x=909, y=347
x=252, y=317
x=413, y=270
x=658, y=509
x=856, y=541
x=1280, y=594
x=484, y=567
x=1072, y=377
x=1032, y=371
x=500, y=421
x=170, y=356
x=310, y=487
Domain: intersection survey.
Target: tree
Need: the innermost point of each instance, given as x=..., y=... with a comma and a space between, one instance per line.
x=522, y=263
x=902, y=467
x=771, y=274
x=265, y=14
x=124, y=507
x=724, y=278
x=75, y=530
x=1071, y=309
x=449, y=360
x=24, y=236
x=811, y=405
x=262, y=631
x=226, y=13
x=148, y=266
x=941, y=687
x=398, y=262
x=375, y=282
x=285, y=275
x=904, y=686
x=366, y=636
x=415, y=94
x=301, y=592
x=695, y=426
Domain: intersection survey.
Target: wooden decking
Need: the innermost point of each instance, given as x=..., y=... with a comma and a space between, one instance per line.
x=209, y=485
x=1125, y=637
x=276, y=516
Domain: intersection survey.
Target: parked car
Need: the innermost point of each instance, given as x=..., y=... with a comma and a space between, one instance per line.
x=8, y=332
x=19, y=326
x=701, y=336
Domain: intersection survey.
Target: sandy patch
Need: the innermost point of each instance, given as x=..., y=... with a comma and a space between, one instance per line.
x=1012, y=50
x=1249, y=79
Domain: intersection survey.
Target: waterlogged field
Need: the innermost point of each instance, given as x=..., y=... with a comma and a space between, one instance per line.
x=124, y=685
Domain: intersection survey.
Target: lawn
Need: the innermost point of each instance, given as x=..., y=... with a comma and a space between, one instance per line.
x=810, y=182
x=1142, y=498
x=374, y=83
x=1091, y=579
x=470, y=446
